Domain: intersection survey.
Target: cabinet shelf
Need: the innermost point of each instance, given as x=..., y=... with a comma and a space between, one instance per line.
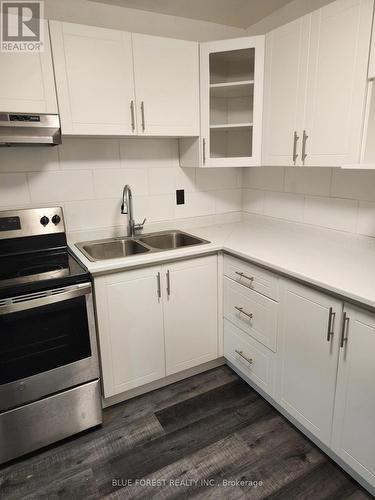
x=231, y=125
x=231, y=90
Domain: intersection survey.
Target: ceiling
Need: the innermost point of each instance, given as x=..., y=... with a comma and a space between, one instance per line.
x=238, y=13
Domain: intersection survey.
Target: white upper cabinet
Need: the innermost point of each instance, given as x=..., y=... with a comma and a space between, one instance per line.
x=94, y=79
x=285, y=92
x=167, y=86
x=353, y=436
x=316, y=86
x=232, y=102
x=27, y=83
x=114, y=83
x=336, y=91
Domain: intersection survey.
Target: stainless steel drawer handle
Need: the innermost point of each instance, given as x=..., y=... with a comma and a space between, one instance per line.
x=243, y=275
x=240, y=309
x=159, y=285
x=345, y=324
x=331, y=319
x=304, y=140
x=132, y=115
x=204, y=150
x=168, y=283
x=295, y=141
x=143, y=116
x=240, y=353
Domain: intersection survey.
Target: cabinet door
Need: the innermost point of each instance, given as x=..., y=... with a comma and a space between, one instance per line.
x=190, y=313
x=94, y=79
x=285, y=92
x=308, y=357
x=232, y=102
x=353, y=427
x=130, y=327
x=338, y=60
x=27, y=84
x=167, y=86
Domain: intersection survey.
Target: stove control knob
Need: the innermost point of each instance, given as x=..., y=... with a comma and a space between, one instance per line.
x=44, y=220
x=56, y=219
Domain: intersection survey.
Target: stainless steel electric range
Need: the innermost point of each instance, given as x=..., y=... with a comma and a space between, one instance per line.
x=49, y=376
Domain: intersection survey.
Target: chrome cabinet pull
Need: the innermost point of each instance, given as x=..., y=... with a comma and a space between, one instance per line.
x=132, y=114
x=168, y=283
x=304, y=140
x=240, y=353
x=243, y=275
x=240, y=309
x=345, y=324
x=143, y=116
x=159, y=285
x=331, y=319
x=204, y=150
x=295, y=141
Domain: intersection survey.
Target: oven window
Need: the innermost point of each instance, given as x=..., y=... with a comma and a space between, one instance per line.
x=40, y=339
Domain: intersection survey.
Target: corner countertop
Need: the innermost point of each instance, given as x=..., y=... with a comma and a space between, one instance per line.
x=341, y=263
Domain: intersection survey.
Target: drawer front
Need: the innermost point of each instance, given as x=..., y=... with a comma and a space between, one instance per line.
x=252, y=277
x=253, y=313
x=250, y=357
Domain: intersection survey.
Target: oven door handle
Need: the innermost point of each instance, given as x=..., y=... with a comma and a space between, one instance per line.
x=53, y=297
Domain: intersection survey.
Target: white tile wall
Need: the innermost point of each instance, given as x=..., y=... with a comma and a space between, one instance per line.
x=337, y=199
x=86, y=177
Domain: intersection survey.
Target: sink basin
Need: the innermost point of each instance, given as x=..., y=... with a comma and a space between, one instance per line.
x=169, y=240
x=111, y=249
x=114, y=248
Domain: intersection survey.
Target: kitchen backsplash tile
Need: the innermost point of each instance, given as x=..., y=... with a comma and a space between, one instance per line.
x=284, y=206
x=325, y=197
x=333, y=213
x=14, y=190
x=86, y=176
x=60, y=185
x=79, y=153
x=267, y=178
x=307, y=180
x=108, y=183
x=354, y=184
x=29, y=160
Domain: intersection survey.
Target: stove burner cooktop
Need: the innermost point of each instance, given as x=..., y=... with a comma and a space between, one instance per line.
x=33, y=253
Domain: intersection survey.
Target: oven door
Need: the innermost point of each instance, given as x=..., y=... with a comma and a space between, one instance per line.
x=47, y=344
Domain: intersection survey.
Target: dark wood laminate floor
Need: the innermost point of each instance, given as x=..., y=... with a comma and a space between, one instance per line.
x=212, y=427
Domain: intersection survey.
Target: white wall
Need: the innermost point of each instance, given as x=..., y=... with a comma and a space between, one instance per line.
x=326, y=197
x=137, y=21
x=86, y=177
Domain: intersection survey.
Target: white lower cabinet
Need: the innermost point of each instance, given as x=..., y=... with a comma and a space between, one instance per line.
x=156, y=321
x=190, y=313
x=322, y=370
x=308, y=357
x=354, y=418
x=130, y=324
x=252, y=358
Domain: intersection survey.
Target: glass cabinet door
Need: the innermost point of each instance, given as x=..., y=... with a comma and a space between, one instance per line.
x=232, y=93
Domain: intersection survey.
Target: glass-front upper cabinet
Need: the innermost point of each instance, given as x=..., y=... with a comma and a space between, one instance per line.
x=232, y=102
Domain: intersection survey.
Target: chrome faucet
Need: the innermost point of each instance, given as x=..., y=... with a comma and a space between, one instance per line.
x=127, y=208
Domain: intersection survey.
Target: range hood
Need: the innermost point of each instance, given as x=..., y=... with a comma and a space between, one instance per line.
x=23, y=129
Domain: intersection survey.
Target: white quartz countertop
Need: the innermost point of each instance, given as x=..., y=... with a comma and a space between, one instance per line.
x=341, y=263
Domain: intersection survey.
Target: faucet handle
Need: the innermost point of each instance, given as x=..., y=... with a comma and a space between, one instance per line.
x=139, y=227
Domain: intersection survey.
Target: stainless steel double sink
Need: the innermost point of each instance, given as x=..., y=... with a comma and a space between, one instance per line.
x=114, y=248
